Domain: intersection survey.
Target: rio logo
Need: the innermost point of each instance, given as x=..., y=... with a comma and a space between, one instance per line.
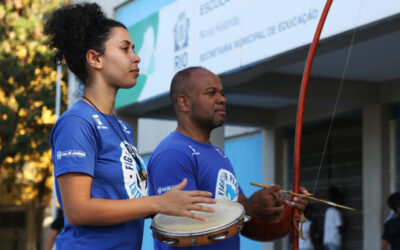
x=181, y=39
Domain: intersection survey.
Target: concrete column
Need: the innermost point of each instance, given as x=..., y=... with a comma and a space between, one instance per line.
x=152, y=132
x=268, y=167
x=283, y=166
x=30, y=228
x=218, y=137
x=273, y=170
x=269, y=156
x=375, y=150
x=74, y=93
x=393, y=155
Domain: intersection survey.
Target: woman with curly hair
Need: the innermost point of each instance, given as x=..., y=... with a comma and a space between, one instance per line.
x=100, y=178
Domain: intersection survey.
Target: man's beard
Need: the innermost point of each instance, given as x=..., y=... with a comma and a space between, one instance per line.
x=204, y=123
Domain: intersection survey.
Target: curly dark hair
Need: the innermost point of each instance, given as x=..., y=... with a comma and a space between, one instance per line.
x=75, y=29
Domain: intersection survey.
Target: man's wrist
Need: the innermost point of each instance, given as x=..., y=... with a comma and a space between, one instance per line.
x=247, y=207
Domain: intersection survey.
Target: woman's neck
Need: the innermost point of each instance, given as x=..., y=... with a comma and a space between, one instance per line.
x=102, y=98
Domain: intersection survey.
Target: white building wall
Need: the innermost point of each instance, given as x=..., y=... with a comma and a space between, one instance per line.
x=151, y=132
x=268, y=168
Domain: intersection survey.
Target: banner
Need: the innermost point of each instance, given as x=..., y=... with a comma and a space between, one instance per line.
x=225, y=35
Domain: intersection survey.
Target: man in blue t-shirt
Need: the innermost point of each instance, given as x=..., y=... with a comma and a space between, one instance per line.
x=391, y=233
x=198, y=98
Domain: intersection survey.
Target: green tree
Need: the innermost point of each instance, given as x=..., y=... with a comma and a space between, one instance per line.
x=27, y=101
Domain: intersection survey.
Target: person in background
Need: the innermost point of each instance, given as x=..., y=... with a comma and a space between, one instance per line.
x=55, y=228
x=333, y=222
x=391, y=232
x=100, y=180
x=16, y=240
x=308, y=231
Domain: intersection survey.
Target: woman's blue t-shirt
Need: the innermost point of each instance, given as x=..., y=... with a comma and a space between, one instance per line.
x=83, y=140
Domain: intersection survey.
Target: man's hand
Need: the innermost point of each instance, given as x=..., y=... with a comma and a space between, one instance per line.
x=297, y=202
x=266, y=203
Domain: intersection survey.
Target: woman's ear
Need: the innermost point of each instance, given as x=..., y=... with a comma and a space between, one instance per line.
x=94, y=59
x=184, y=103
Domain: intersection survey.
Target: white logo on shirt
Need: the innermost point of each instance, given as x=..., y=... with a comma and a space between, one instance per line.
x=161, y=190
x=227, y=187
x=194, y=152
x=99, y=122
x=125, y=128
x=73, y=153
x=220, y=152
x=134, y=186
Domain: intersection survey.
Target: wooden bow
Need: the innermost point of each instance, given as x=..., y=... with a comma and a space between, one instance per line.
x=299, y=119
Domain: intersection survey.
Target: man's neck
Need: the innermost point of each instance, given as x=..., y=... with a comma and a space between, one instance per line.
x=197, y=134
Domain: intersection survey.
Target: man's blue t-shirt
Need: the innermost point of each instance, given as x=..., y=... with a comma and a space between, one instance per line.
x=391, y=232
x=204, y=165
x=83, y=141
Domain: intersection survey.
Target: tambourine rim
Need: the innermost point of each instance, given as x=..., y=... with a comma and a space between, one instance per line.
x=197, y=232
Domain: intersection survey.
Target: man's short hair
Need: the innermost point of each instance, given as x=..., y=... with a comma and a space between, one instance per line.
x=179, y=82
x=394, y=201
x=335, y=194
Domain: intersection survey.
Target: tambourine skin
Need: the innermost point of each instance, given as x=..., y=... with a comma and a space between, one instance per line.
x=259, y=229
x=226, y=221
x=198, y=240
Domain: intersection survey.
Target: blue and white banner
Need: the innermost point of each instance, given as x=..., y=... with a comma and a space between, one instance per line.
x=224, y=35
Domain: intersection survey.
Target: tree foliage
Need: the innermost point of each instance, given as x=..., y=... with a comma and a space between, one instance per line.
x=27, y=100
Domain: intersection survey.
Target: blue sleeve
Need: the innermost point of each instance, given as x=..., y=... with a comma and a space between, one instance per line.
x=168, y=168
x=74, y=146
x=240, y=190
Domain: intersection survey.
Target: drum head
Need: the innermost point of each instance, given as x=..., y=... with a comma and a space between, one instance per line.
x=225, y=213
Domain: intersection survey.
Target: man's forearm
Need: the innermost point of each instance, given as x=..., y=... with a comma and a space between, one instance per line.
x=260, y=229
x=384, y=245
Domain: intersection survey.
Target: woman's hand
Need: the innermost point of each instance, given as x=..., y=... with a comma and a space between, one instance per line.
x=181, y=203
